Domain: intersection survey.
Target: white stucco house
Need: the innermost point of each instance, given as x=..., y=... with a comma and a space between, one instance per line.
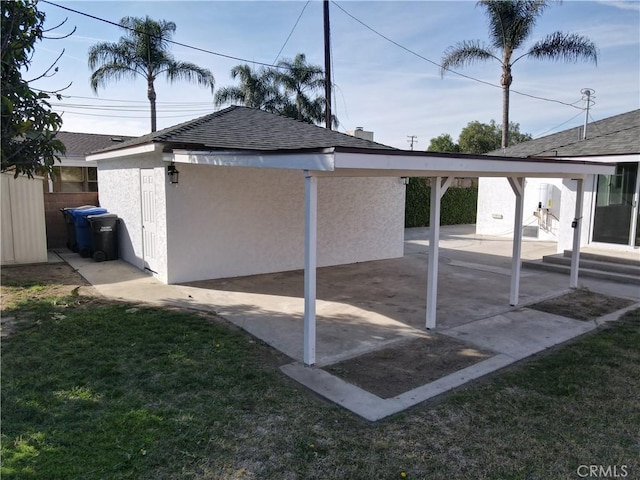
x=610, y=215
x=261, y=193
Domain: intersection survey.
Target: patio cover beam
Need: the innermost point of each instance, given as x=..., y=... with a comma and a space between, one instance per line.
x=517, y=184
x=310, y=265
x=438, y=189
x=577, y=228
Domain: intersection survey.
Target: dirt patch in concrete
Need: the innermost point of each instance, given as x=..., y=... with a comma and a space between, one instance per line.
x=395, y=370
x=582, y=304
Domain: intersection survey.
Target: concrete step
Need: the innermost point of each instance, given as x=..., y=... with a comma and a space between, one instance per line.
x=624, y=258
x=583, y=272
x=593, y=264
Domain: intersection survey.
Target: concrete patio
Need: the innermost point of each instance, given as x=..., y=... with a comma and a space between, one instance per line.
x=372, y=305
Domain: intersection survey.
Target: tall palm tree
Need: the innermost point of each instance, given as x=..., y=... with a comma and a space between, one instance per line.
x=300, y=80
x=257, y=89
x=510, y=25
x=143, y=51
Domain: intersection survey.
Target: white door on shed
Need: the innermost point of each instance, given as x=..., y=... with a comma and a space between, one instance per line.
x=149, y=233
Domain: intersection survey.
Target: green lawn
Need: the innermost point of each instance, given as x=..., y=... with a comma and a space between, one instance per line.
x=99, y=390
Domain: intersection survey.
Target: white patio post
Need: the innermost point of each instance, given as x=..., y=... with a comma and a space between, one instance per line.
x=310, y=263
x=577, y=228
x=517, y=185
x=438, y=188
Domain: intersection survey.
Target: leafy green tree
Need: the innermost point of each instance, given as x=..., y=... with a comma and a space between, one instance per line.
x=29, y=126
x=511, y=23
x=480, y=138
x=143, y=51
x=443, y=143
x=477, y=138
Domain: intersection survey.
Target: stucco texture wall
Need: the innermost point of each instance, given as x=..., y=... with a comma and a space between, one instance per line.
x=226, y=221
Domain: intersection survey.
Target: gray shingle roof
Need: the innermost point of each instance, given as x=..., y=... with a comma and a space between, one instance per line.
x=80, y=144
x=244, y=128
x=615, y=135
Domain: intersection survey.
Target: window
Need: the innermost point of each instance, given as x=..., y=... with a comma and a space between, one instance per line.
x=75, y=179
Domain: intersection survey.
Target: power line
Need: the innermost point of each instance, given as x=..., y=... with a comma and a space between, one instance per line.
x=448, y=69
x=292, y=30
x=204, y=50
x=146, y=102
x=120, y=116
x=558, y=126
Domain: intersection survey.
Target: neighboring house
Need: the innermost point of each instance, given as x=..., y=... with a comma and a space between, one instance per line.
x=610, y=214
x=75, y=182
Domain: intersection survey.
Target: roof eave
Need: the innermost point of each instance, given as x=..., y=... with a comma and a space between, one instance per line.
x=147, y=148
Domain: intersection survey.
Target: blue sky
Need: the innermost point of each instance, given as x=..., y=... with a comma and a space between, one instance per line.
x=380, y=86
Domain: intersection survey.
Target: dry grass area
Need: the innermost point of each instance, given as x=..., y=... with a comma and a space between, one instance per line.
x=582, y=304
x=392, y=371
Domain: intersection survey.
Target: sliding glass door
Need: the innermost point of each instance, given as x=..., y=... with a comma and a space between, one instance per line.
x=616, y=213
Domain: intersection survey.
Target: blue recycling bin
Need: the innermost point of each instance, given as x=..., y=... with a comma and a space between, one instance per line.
x=71, y=228
x=84, y=237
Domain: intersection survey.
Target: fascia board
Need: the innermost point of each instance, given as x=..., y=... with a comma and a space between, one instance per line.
x=291, y=161
x=477, y=167
x=126, y=152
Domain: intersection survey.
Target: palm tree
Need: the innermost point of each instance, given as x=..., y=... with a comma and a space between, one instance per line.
x=143, y=51
x=257, y=89
x=300, y=79
x=510, y=24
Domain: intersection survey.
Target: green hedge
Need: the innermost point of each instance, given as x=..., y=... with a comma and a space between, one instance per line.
x=458, y=205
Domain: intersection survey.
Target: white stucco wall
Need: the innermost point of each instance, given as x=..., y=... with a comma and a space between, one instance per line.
x=496, y=207
x=120, y=194
x=226, y=221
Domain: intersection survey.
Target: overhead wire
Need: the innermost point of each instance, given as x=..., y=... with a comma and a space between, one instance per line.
x=291, y=32
x=557, y=126
x=274, y=65
x=448, y=69
x=173, y=42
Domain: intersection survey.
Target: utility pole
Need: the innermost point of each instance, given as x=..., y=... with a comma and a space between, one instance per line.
x=586, y=96
x=412, y=140
x=327, y=67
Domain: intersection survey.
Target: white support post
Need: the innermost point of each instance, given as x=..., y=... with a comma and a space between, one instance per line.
x=310, y=263
x=577, y=228
x=517, y=185
x=438, y=188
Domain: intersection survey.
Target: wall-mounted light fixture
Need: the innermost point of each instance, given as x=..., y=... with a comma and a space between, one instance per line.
x=173, y=173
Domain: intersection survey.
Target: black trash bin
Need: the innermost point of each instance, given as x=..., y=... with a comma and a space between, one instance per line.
x=72, y=243
x=104, y=233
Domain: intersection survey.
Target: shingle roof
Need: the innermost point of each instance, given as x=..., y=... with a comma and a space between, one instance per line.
x=80, y=144
x=244, y=128
x=615, y=135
